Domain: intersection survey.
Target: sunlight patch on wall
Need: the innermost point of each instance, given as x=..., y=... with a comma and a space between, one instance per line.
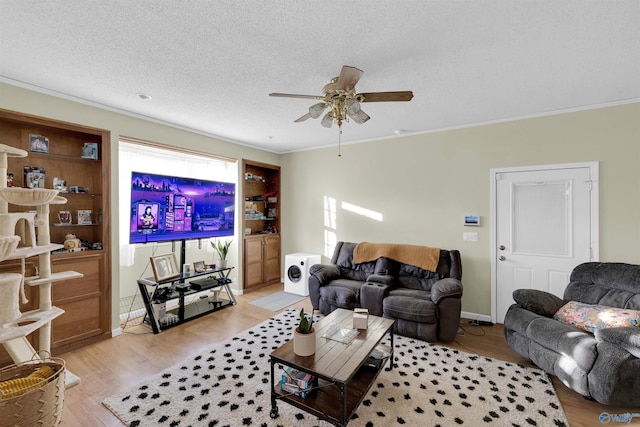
x=330, y=226
x=362, y=211
x=330, y=241
x=330, y=212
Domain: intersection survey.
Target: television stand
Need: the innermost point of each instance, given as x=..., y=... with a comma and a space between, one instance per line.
x=156, y=294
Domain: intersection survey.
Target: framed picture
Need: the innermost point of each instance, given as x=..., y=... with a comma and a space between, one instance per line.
x=64, y=217
x=199, y=266
x=83, y=216
x=38, y=143
x=164, y=267
x=90, y=150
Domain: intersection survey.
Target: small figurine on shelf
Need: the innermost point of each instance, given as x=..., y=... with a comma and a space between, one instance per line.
x=60, y=184
x=72, y=243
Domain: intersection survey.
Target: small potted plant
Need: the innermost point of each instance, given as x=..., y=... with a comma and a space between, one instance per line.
x=304, y=336
x=222, y=249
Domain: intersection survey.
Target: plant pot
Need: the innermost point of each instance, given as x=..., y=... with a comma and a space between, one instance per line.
x=221, y=263
x=304, y=344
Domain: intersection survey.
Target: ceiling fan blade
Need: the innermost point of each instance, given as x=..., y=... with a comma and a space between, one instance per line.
x=293, y=95
x=349, y=76
x=327, y=120
x=303, y=118
x=405, y=95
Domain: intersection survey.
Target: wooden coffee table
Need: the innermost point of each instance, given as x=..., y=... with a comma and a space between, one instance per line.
x=342, y=380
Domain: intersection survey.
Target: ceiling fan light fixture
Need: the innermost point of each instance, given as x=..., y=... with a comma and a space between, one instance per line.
x=327, y=120
x=353, y=106
x=359, y=117
x=316, y=110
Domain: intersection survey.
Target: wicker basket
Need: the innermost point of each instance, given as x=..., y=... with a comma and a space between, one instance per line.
x=41, y=406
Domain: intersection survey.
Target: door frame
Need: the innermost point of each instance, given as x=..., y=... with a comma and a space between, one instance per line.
x=594, y=207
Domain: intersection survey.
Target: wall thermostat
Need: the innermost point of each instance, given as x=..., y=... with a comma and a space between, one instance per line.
x=471, y=220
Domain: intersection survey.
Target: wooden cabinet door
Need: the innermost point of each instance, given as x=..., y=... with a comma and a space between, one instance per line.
x=272, y=259
x=261, y=260
x=85, y=315
x=253, y=260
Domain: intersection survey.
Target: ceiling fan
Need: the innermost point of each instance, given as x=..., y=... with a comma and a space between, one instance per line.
x=340, y=97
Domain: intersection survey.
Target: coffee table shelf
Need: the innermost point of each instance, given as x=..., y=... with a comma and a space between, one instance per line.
x=322, y=401
x=343, y=381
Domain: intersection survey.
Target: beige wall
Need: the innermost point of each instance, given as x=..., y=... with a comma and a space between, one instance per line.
x=125, y=275
x=423, y=185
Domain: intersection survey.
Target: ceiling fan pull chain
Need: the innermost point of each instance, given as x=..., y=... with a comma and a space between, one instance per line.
x=339, y=140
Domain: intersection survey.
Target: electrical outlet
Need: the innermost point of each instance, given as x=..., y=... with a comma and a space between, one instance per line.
x=476, y=322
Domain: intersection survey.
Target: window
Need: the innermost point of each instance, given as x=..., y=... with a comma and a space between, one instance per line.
x=144, y=157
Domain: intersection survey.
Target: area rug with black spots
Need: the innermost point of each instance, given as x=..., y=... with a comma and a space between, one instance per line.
x=430, y=385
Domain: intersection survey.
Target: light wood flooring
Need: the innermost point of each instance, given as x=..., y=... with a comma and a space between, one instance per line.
x=115, y=364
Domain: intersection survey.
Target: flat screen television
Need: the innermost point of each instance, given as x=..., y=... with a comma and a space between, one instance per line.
x=165, y=208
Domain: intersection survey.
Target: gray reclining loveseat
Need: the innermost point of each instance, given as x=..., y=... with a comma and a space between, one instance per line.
x=591, y=345
x=425, y=304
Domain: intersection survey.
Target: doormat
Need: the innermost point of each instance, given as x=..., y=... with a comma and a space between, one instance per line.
x=429, y=385
x=277, y=301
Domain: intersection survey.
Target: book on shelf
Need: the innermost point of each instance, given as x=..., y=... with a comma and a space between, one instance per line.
x=297, y=382
x=33, y=177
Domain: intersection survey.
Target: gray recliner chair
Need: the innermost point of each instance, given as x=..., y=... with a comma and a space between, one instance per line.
x=604, y=365
x=424, y=304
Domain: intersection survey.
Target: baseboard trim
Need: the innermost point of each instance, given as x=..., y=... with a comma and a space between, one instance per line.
x=475, y=316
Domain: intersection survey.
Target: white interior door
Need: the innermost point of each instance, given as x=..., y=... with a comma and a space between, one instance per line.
x=545, y=224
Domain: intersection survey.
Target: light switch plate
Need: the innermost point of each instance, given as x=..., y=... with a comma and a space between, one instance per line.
x=470, y=236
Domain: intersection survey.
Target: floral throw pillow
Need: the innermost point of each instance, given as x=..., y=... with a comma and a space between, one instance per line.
x=593, y=317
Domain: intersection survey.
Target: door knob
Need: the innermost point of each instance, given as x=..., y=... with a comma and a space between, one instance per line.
x=502, y=257
x=502, y=247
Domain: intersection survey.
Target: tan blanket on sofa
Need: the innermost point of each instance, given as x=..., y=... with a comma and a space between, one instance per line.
x=421, y=256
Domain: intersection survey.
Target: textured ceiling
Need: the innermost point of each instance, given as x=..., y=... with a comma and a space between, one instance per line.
x=210, y=65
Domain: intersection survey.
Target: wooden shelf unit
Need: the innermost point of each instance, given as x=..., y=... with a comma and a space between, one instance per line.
x=261, y=224
x=86, y=300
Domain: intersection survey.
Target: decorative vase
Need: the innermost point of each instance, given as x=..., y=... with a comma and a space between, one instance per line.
x=9, y=297
x=222, y=263
x=304, y=344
